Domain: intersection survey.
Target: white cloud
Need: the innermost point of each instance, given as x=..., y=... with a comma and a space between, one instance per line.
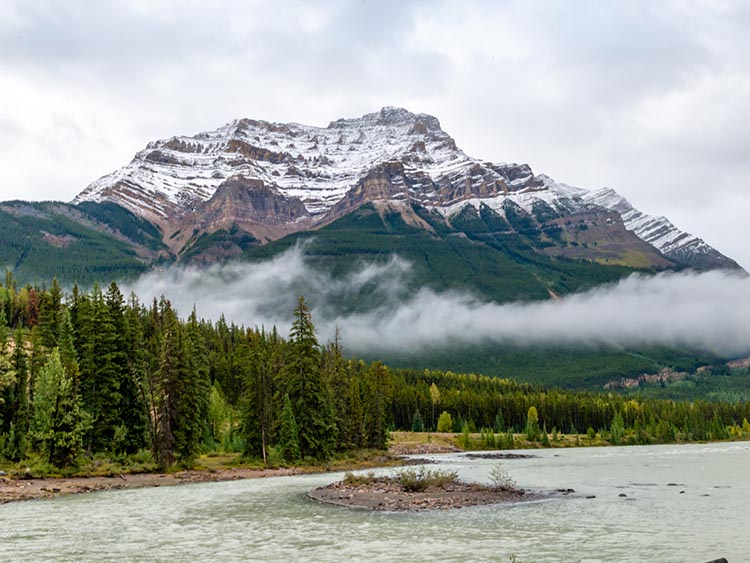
x=708, y=311
x=648, y=98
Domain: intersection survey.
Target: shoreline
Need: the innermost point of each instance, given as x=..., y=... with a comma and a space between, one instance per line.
x=23, y=489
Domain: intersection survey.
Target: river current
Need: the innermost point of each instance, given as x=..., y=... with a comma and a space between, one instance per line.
x=687, y=503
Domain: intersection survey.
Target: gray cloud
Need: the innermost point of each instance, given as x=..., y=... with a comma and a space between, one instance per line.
x=708, y=311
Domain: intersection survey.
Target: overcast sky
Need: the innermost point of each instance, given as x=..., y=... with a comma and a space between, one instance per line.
x=649, y=98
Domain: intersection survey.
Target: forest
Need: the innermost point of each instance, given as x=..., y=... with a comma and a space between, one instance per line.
x=95, y=374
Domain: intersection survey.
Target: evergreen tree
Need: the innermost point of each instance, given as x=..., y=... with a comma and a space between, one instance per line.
x=499, y=422
x=132, y=424
x=288, y=433
x=263, y=360
x=303, y=382
x=377, y=398
x=338, y=380
x=7, y=381
x=192, y=399
x=50, y=315
x=17, y=441
x=417, y=424
x=56, y=425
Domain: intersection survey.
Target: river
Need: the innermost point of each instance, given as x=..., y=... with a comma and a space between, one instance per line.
x=686, y=503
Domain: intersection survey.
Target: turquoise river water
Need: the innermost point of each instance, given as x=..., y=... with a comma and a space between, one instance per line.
x=683, y=504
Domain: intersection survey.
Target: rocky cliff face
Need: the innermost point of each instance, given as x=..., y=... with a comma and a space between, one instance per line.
x=273, y=179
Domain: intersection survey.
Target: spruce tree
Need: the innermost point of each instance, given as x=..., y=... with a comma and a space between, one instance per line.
x=50, y=315
x=7, y=381
x=263, y=358
x=308, y=393
x=192, y=399
x=56, y=425
x=16, y=445
x=338, y=379
x=417, y=424
x=131, y=408
x=288, y=433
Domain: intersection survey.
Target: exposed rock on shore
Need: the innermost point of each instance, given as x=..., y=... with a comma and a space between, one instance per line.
x=387, y=494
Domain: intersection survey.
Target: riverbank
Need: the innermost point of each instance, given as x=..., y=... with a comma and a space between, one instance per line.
x=30, y=489
x=20, y=486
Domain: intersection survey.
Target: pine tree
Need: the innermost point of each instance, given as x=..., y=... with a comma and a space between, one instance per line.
x=7, y=381
x=50, y=315
x=263, y=359
x=56, y=425
x=377, y=397
x=101, y=366
x=288, y=433
x=17, y=441
x=303, y=382
x=338, y=379
x=417, y=424
x=192, y=398
x=131, y=425
x=166, y=391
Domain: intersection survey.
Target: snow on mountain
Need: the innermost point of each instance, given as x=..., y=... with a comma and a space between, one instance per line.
x=391, y=155
x=674, y=243
x=315, y=164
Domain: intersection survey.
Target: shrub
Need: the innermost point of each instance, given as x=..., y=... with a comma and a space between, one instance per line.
x=500, y=478
x=358, y=479
x=418, y=480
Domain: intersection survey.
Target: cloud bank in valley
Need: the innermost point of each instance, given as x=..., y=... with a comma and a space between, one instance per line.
x=707, y=311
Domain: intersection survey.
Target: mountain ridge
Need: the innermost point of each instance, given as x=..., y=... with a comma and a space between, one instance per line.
x=292, y=177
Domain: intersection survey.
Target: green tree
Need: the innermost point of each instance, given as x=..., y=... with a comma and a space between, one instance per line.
x=262, y=359
x=532, y=424
x=57, y=425
x=617, y=429
x=288, y=433
x=499, y=425
x=17, y=441
x=217, y=414
x=435, y=400
x=50, y=315
x=445, y=422
x=303, y=382
x=417, y=424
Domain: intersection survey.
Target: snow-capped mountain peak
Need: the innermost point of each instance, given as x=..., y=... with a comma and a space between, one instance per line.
x=278, y=178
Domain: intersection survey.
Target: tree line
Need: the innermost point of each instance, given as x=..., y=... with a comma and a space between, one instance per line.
x=93, y=373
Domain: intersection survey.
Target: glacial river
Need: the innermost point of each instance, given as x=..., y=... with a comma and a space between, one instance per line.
x=683, y=504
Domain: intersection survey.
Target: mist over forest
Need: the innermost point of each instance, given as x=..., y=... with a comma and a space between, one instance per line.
x=706, y=311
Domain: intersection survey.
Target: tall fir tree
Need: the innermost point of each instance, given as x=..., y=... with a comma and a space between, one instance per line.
x=56, y=424
x=50, y=315
x=17, y=442
x=288, y=433
x=307, y=390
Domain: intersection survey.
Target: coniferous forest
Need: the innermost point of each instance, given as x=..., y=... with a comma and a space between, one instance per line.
x=91, y=374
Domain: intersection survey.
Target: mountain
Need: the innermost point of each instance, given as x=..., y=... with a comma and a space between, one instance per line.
x=254, y=182
x=362, y=190
x=387, y=182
